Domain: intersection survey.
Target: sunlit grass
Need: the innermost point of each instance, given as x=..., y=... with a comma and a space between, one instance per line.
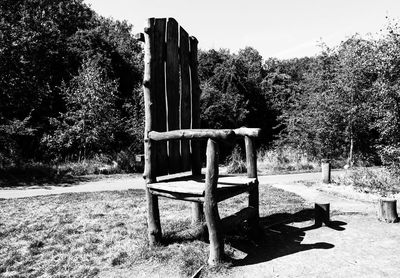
x=101, y=234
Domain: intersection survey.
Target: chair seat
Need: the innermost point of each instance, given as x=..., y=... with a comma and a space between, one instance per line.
x=193, y=188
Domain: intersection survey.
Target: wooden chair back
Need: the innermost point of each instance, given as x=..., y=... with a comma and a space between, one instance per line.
x=173, y=88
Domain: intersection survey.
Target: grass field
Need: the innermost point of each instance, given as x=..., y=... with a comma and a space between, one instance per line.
x=104, y=235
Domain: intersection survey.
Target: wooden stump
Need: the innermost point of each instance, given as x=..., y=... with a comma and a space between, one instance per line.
x=387, y=210
x=326, y=171
x=322, y=214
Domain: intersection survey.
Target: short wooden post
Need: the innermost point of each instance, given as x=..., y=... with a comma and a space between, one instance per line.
x=387, y=210
x=211, y=205
x=321, y=214
x=251, y=160
x=326, y=171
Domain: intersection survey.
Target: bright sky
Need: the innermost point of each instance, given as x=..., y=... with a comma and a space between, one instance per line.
x=276, y=28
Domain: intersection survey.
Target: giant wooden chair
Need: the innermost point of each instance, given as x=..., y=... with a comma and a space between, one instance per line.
x=172, y=121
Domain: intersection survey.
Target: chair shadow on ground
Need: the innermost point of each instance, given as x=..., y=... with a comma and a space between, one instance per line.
x=279, y=235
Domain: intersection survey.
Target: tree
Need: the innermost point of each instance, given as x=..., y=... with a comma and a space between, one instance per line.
x=323, y=106
x=91, y=121
x=231, y=85
x=42, y=46
x=387, y=97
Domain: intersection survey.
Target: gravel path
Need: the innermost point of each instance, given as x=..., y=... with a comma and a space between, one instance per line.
x=125, y=182
x=358, y=245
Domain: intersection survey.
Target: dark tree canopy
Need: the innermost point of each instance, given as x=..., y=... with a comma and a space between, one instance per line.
x=43, y=46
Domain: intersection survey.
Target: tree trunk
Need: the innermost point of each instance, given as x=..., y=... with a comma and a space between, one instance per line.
x=350, y=162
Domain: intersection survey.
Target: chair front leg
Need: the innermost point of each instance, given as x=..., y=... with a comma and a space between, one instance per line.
x=211, y=205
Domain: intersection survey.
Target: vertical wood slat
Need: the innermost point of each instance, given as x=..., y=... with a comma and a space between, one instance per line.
x=185, y=111
x=173, y=98
x=160, y=122
x=195, y=88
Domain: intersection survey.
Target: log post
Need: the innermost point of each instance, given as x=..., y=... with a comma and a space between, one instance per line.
x=387, y=210
x=153, y=215
x=251, y=160
x=321, y=214
x=197, y=208
x=153, y=219
x=211, y=205
x=326, y=171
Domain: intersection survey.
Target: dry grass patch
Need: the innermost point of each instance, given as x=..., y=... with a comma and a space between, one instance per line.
x=102, y=234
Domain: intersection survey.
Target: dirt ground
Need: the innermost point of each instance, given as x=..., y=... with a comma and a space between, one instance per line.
x=356, y=244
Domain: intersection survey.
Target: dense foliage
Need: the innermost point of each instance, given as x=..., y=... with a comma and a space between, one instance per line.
x=70, y=90
x=69, y=83
x=344, y=102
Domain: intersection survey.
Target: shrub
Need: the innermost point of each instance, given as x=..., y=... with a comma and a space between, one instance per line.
x=372, y=180
x=285, y=159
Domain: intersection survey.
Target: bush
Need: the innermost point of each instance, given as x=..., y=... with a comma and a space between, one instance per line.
x=127, y=162
x=372, y=180
x=285, y=159
x=26, y=173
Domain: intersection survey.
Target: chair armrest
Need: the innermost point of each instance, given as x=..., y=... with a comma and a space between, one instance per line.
x=250, y=132
x=221, y=134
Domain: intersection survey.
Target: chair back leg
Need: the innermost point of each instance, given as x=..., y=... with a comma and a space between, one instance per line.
x=153, y=219
x=251, y=159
